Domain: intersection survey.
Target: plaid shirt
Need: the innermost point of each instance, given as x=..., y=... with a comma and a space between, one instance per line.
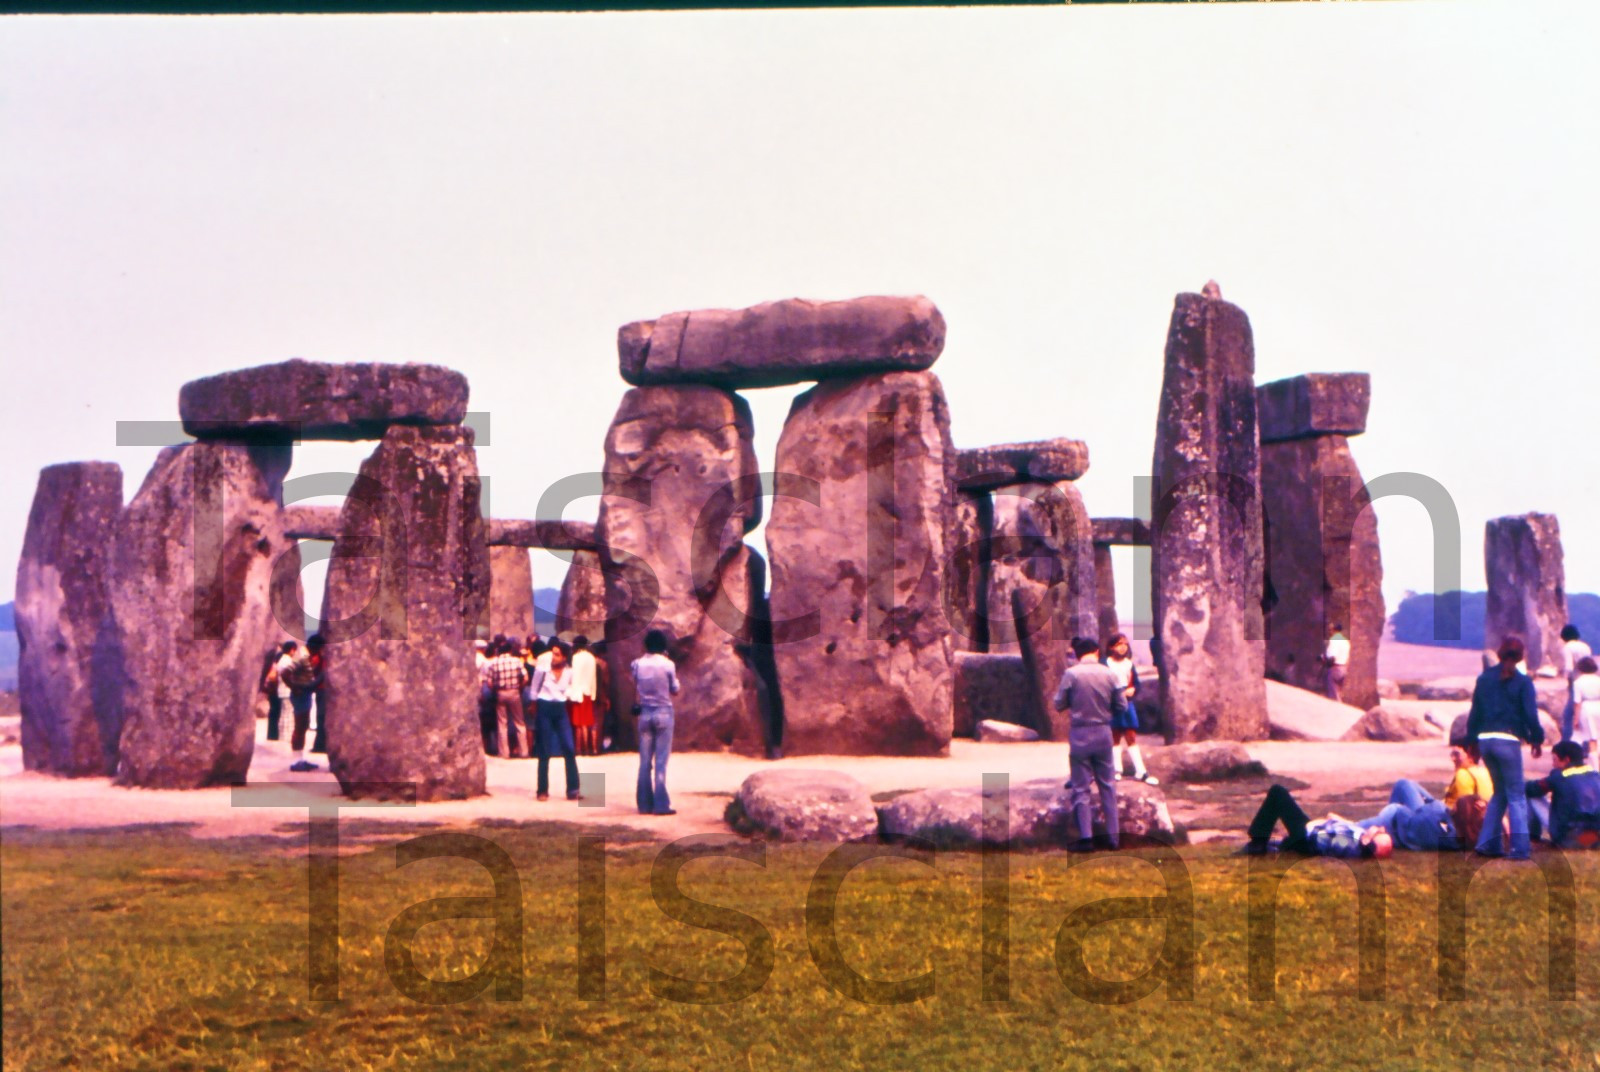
x=505, y=672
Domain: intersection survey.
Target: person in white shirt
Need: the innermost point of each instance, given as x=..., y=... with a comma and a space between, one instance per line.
x=553, y=729
x=1586, y=707
x=1337, y=659
x=1573, y=649
x=581, y=697
x=1125, y=723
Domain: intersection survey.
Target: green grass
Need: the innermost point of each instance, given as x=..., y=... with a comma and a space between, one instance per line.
x=146, y=949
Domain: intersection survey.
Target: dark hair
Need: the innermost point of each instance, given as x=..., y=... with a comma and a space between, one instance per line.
x=1570, y=632
x=1510, y=654
x=556, y=645
x=655, y=642
x=1084, y=646
x=538, y=648
x=580, y=642
x=316, y=641
x=287, y=647
x=1571, y=751
x=1368, y=849
x=1118, y=638
x=1587, y=665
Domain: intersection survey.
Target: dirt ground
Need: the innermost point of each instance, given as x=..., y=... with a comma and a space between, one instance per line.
x=1349, y=774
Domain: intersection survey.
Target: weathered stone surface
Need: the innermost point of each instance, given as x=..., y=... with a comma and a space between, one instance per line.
x=70, y=717
x=1206, y=550
x=1203, y=761
x=1038, y=814
x=303, y=522
x=797, y=804
x=782, y=342
x=1447, y=688
x=1388, y=724
x=1105, y=594
x=1041, y=572
x=1458, y=730
x=994, y=732
x=320, y=400
x=991, y=687
x=510, y=592
x=192, y=597
x=407, y=587
x=1297, y=715
x=1318, y=403
x=1122, y=531
x=581, y=610
x=680, y=494
x=1388, y=690
x=1044, y=462
x=869, y=673
x=1323, y=568
x=1527, y=584
x=967, y=576
x=551, y=534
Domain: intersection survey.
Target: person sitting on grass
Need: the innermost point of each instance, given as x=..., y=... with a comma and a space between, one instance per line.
x=1332, y=836
x=1571, y=817
x=1092, y=693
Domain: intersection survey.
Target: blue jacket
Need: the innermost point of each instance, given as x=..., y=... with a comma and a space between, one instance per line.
x=1504, y=705
x=1574, y=800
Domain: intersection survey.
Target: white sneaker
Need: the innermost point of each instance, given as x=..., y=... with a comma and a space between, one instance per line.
x=1116, y=776
x=1149, y=779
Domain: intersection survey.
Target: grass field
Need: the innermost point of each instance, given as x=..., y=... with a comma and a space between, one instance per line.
x=147, y=949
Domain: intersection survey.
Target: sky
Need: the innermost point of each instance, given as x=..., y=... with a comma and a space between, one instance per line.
x=1401, y=188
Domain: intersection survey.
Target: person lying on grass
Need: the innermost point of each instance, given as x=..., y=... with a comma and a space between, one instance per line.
x=1332, y=836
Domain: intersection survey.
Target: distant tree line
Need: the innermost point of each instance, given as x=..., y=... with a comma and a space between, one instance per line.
x=1413, y=619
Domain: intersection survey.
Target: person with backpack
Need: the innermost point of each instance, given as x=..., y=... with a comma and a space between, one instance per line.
x=1504, y=715
x=295, y=670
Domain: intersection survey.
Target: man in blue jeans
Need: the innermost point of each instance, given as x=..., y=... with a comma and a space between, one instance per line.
x=1504, y=715
x=655, y=682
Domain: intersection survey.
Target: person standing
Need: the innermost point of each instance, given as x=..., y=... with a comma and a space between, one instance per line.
x=1091, y=693
x=1336, y=659
x=553, y=730
x=1125, y=724
x=316, y=646
x=605, y=716
x=1504, y=714
x=1586, y=708
x=507, y=675
x=581, y=701
x=277, y=692
x=295, y=670
x=655, y=682
x=1573, y=650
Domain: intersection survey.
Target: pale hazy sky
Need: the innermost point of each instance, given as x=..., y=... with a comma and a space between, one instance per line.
x=1402, y=188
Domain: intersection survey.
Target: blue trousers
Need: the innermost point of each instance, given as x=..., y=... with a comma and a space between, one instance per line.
x=553, y=731
x=655, y=745
x=1414, y=819
x=1504, y=760
x=1091, y=765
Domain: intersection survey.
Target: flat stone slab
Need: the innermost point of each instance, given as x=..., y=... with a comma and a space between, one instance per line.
x=995, y=732
x=1316, y=404
x=311, y=522
x=1385, y=723
x=1203, y=761
x=552, y=535
x=1295, y=714
x=1039, y=814
x=1045, y=461
x=782, y=342
x=801, y=804
x=320, y=400
x=1122, y=531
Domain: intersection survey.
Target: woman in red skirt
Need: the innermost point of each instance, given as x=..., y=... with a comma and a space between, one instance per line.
x=581, y=695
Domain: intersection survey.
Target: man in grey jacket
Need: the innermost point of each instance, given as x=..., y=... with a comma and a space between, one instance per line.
x=1089, y=691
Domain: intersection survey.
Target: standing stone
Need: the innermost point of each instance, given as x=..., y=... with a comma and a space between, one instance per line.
x=407, y=585
x=581, y=609
x=1206, y=552
x=70, y=717
x=192, y=596
x=510, y=592
x=1522, y=558
x=863, y=646
x=990, y=688
x=1105, y=593
x=966, y=578
x=1041, y=540
x=680, y=494
x=1323, y=565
